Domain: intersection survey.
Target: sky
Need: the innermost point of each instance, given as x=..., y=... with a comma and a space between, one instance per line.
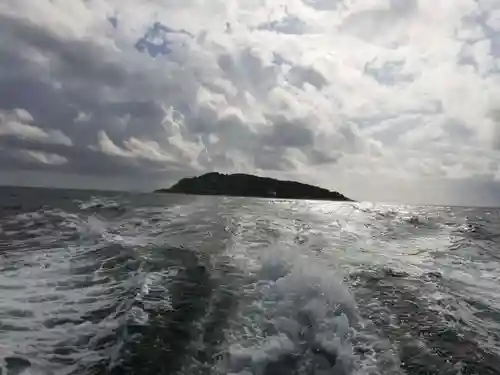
x=382, y=100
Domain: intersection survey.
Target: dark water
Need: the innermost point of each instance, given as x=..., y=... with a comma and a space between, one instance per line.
x=96, y=283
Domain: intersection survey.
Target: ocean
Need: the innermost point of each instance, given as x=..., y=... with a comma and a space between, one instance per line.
x=118, y=283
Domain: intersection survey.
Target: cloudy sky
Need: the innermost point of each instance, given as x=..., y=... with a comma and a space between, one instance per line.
x=391, y=100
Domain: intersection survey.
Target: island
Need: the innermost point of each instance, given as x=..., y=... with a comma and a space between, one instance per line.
x=246, y=185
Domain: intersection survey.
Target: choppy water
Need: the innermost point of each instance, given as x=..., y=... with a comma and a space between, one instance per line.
x=96, y=283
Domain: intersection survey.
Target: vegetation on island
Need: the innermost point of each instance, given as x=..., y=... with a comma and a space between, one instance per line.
x=246, y=185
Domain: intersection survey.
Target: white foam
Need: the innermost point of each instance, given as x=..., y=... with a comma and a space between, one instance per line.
x=94, y=226
x=97, y=202
x=294, y=303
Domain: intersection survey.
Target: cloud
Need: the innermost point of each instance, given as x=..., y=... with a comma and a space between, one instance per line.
x=494, y=20
x=133, y=148
x=331, y=92
x=41, y=157
x=18, y=123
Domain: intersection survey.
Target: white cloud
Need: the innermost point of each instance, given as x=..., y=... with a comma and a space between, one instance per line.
x=18, y=123
x=133, y=148
x=494, y=20
x=334, y=91
x=41, y=157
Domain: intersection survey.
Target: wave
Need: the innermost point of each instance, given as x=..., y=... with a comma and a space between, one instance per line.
x=119, y=309
x=425, y=319
x=217, y=287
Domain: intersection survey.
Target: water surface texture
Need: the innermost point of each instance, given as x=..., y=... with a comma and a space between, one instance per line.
x=109, y=283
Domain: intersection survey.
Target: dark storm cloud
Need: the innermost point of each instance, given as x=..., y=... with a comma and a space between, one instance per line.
x=82, y=160
x=71, y=58
x=90, y=82
x=84, y=89
x=286, y=133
